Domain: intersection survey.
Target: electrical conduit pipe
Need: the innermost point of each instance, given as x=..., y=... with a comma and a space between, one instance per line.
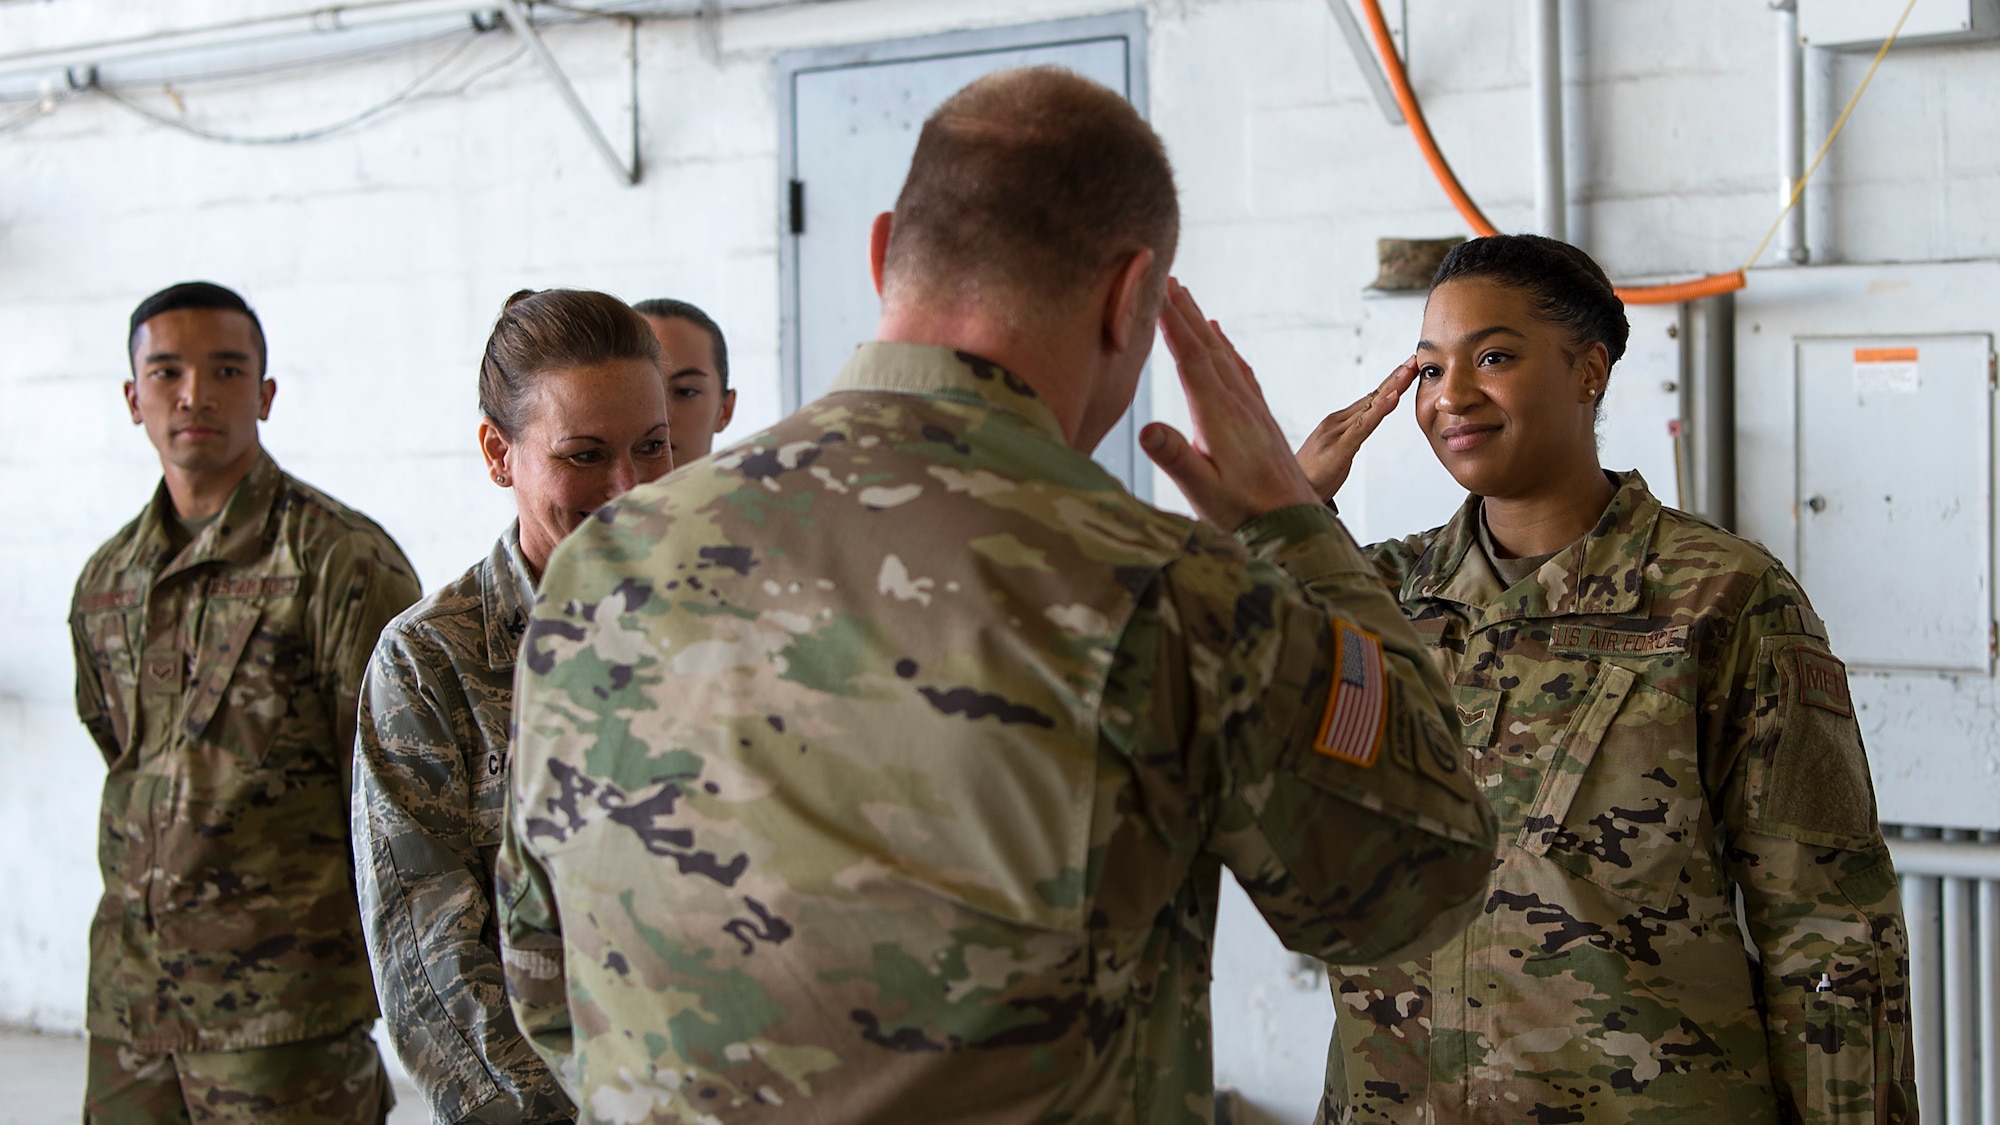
x=1420, y=130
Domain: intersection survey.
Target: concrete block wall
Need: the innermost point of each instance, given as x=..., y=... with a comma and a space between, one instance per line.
x=378, y=258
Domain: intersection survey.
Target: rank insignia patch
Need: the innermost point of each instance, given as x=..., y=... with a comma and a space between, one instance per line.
x=1357, y=701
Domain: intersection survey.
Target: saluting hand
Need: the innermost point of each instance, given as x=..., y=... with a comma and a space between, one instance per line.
x=1328, y=453
x=1238, y=465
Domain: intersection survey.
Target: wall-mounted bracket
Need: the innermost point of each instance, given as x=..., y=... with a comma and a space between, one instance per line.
x=517, y=18
x=1364, y=57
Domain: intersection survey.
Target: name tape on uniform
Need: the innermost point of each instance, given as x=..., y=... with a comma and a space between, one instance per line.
x=109, y=599
x=281, y=587
x=1588, y=640
x=1823, y=683
x=1357, y=705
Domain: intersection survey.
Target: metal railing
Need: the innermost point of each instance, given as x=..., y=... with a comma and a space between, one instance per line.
x=1951, y=901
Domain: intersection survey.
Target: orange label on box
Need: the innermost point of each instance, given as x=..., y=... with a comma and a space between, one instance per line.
x=1885, y=355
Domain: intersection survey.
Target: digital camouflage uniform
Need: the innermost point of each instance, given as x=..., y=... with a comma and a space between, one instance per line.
x=430, y=793
x=1656, y=718
x=883, y=768
x=219, y=680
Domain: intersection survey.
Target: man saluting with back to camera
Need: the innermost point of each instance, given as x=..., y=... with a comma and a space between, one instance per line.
x=220, y=641
x=883, y=768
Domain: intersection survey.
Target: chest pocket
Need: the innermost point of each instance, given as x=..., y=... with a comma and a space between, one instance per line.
x=1620, y=802
x=1478, y=712
x=108, y=636
x=249, y=687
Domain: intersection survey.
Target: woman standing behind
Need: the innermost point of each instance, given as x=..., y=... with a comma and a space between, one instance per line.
x=1651, y=707
x=575, y=413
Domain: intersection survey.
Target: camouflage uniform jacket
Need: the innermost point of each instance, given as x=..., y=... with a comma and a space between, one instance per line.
x=883, y=769
x=220, y=683
x=430, y=793
x=1656, y=718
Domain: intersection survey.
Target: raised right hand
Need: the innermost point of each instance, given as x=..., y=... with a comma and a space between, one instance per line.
x=1327, y=455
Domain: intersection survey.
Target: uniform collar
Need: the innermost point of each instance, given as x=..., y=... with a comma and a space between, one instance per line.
x=235, y=536
x=926, y=370
x=1600, y=574
x=506, y=593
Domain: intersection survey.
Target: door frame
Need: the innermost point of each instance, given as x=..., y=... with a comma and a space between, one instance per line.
x=1127, y=25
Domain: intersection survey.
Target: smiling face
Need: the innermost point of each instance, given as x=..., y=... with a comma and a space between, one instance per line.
x=697, y=405
x=592, y=433
x=197, y=387
x=1505, y=397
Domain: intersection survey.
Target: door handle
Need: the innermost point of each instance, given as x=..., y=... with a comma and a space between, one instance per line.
x=1817, y=504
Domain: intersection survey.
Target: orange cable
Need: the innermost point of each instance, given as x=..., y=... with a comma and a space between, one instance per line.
x=1399, y=81
x=1419, y=129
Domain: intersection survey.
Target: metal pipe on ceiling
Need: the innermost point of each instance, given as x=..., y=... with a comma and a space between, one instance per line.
x=326, y=20
x=318, y=21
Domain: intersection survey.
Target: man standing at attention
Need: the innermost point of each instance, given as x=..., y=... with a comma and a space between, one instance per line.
x=883, y=768
x=695, y=359
x=220, y=642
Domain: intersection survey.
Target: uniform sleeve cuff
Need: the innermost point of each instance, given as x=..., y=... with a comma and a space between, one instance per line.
x=1307, y=540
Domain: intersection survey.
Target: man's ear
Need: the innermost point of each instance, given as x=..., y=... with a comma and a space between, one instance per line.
x=1124, y=302
x=132, y=401
x=267, y=390
x=878, y=248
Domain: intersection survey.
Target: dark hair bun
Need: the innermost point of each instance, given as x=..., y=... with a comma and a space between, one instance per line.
x=540, y=331
x=1567, y=287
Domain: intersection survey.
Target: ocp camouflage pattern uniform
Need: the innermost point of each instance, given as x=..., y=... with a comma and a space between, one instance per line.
x=219, y=678
x=883, y=769
x=1656, y=718
x=430, y=794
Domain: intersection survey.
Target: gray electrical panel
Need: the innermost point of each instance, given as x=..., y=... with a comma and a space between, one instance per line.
x=1861, y=25
x=1895, y=497
x=1864, y=461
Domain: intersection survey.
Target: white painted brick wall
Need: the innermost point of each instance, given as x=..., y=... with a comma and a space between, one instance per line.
x=379, y=258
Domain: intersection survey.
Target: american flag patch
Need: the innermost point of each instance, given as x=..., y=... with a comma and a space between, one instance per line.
x=1357, y=704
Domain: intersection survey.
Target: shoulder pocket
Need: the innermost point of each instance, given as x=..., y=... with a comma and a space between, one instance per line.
x=1815, y=788
x=1619, y=804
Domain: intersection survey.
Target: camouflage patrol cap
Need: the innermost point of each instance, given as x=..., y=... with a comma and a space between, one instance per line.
x=1408, y=263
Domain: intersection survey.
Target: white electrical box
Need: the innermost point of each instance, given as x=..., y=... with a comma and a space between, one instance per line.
x=1398, y=487
x=1864, y=461
x=1895, y=497
x=1861, y=25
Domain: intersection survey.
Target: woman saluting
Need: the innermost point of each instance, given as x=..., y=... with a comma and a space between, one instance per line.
x=1651, y=706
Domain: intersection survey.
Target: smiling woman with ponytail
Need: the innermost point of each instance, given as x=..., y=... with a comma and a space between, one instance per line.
x=573, y=413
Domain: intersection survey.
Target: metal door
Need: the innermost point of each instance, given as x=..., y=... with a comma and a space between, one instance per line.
x=850, y=123
x=1895, y=497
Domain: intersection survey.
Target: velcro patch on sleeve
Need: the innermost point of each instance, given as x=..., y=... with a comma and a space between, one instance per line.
x=1357, y=703
x=1823, y=683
